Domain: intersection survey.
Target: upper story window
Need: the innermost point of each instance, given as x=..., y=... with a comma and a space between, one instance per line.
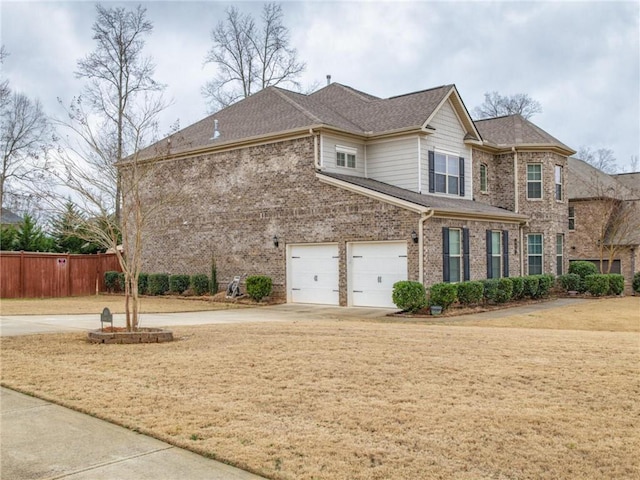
x=572, y=218
x=484, y=182
x=534, y=180
x=446, y=173
x=345, y=157
x=558, y=183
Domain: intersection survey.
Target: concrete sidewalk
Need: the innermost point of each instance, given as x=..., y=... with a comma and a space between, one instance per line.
x=40, y=440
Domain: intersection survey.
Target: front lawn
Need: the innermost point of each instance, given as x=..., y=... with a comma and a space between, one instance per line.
x=362, y=400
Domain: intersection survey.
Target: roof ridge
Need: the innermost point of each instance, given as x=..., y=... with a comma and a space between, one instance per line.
x=291, y=101
x=421, y=91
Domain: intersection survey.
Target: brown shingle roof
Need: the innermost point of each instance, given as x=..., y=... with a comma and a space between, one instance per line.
x=585, y=181
x=275, y=110
x=515, y=130
x=436, y=202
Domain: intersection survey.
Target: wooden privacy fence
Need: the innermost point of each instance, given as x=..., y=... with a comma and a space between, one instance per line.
x=38, y=275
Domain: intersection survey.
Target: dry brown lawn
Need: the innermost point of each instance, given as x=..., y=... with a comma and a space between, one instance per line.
x=95, y=304
x=362, y=400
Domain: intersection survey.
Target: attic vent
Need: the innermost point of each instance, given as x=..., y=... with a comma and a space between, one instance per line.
x=216, y=132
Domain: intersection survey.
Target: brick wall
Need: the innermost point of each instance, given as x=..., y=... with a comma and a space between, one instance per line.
x=231, y=204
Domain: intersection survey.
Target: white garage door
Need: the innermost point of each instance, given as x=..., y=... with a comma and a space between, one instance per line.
x=374, y=268
x=313, y=274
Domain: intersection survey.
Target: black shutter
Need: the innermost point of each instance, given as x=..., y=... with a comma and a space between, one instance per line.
x=465, y=253
x=461, y=177
x=432, y=172
x=445, y=254
x=505, y=253
x=489, y=255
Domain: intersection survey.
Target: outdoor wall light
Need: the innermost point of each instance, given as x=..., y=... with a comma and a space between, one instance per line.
x=414, y=237
x=275, y=241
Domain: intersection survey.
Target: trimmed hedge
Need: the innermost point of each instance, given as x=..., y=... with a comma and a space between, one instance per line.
x=259, y=286
x=199, y=284
x=442, y=294
x=636, y=282
x=530, y=286
x=569, y=282
x=158, y=284
x=616, y=284
x=518, y=288
x=597, y=285
x=505, y=290
x=545, y=283
x=143, y=283
x=409, y=296
x=111, y=281
x=178, y=283
x=582, y=268
x=470, y=293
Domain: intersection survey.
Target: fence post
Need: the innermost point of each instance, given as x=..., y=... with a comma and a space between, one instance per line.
x=68, y=263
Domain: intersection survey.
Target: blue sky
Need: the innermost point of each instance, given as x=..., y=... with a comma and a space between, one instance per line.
x=580, y=60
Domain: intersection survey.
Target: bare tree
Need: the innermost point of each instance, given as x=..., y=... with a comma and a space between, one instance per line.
x=117, y=72
x=95, y=220
x=496, y=105
x=633, y=164
x=249, y=57
x=603, y=158
x=25, y=137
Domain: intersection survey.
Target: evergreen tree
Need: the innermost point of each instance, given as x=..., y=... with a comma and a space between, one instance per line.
x=31, y=238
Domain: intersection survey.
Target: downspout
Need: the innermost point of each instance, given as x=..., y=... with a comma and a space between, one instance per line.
x=521, y=230
x=315, y=149
x=424, y=216
x=516, y=207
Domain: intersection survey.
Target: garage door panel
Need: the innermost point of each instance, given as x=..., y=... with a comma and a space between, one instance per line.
x=314, y=274
x=375, y=268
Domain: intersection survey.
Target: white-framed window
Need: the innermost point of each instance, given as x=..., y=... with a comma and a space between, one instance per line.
x=484, y=180
x=572, y=218
x=345, y=157
x=558, y=172
x=496, y=254
x=447, y=170
x=534, y=253
x=559, y=254
x=455, y=255
x=534, y=180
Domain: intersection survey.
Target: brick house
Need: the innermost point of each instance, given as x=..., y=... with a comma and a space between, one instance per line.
x=338, y=194
x=604, y=219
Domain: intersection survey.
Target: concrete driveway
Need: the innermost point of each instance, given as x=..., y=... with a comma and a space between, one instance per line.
x=11, y=325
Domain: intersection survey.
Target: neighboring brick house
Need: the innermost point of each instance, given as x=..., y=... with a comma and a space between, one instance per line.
x=604, y=219
x=338, y=194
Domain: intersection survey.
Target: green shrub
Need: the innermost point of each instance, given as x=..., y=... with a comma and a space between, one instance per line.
x=143, y=283
x=597, y=285
x=490, y=290
x=636, y=282
x=582, y=268
x=121, y=281
x=199, y=284
x=530, y=285
x=470, y=293
x=111, y=282
x=178, y=283
x=158, y=284
x=443, y=294
x=518, y=288
x=259, y=286
x=569, y=282
x=616, y=284
x=505, y=290
x=409, y=296
x=545, y=283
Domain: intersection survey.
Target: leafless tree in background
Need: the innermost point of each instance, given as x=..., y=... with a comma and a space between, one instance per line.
x=496, y=105
x=117, y=72
x=603, y=158
x=249, y=58
x=26, y=136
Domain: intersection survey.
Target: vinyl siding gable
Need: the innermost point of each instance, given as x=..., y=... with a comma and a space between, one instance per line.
x=329, y=145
